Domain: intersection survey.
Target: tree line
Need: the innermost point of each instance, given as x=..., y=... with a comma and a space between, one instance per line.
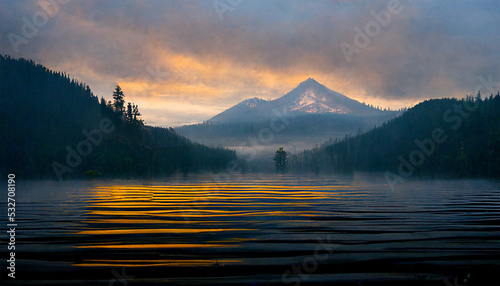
x=436, y=138
x=46, y=116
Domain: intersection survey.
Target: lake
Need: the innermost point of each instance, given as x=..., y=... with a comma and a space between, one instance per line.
x=256, y=230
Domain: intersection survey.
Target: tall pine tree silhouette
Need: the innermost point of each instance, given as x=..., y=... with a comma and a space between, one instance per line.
x=119, y=103
x=281, y=160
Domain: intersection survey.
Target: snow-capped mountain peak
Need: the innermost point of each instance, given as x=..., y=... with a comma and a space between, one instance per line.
x=313, y=97
x=309, y=97
x=312, y=102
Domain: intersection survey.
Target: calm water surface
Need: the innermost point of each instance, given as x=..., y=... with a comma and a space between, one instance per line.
x=251, y=230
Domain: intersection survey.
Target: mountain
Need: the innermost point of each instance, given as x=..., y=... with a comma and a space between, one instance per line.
x=436, y=138
x=55, y=127
x=309, y=97
x=304, y=117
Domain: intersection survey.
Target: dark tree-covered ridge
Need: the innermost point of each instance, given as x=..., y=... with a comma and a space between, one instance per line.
x=48, y=117
x=436, y=138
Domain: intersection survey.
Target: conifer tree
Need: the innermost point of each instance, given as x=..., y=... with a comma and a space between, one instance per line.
x=119, y=103
x=281, y=160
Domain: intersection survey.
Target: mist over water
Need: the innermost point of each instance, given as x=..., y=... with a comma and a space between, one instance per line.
x=254, y=221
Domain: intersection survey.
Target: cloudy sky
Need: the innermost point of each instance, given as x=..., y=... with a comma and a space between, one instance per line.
x=186, y=61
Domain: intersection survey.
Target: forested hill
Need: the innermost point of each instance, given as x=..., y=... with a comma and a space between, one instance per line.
x=55, y=127
x=436, y=138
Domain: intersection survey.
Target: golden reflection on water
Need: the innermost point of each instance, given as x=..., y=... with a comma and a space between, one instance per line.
x=139, y=246
x=154, y=230
x=182, y=217
x=159, y=262
x=204, y=213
